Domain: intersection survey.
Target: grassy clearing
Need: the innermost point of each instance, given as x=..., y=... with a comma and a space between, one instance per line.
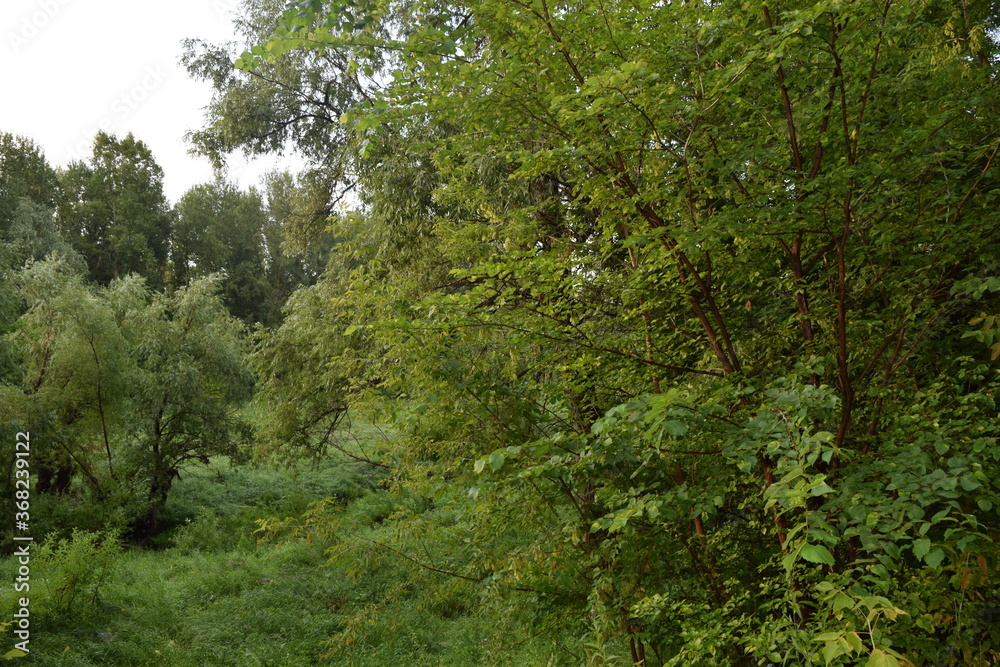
x=212, y=595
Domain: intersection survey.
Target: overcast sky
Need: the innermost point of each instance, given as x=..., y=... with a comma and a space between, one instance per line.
x=71, y=67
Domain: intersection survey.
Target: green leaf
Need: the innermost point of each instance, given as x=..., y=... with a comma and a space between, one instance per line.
x=496, y=460
x=969, y=482
x=674, y=428
x=921, y=547
x=480, y=464
x=832, y=651
x=815, y=553
x=14, y=653
x=880, y=658
x=842, y=601
x=934, y=558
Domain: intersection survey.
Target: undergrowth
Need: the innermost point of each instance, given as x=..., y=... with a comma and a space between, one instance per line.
x=220, y=588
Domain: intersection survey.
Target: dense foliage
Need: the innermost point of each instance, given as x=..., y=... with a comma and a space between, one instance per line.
x=706, y=325
x=117, y=339
x=681, y=320
x=131, y=384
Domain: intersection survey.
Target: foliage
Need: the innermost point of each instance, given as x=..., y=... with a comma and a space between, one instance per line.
x=113, y=210
x=220, y=229
x=299, y=211
x=292, y=105
x=703, y=303
x=299, y=388
x=125, y=385
x=72, y=570
x=27, y=230
x=683, y=317
x=231, y=601
x=24, y=172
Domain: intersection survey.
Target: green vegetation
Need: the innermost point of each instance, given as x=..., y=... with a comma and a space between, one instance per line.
x=679, y=321
x=211, y=594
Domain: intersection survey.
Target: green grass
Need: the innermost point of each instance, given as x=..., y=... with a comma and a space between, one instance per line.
x=210, y=594
x=236, y=497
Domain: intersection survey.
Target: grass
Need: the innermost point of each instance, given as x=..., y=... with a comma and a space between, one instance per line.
x=210, y=594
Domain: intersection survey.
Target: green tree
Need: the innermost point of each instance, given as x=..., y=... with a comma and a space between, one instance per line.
x=114, y=211
x=24, y=172
x=126, y=385
x=290, y=105
x=302, y=377
x=28, y=187
x=220, y=229
x=190, y=377
x=705, y=323
x=297, y=239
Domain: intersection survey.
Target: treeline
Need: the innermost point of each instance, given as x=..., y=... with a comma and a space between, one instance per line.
x=125, y=321
x=110, y=214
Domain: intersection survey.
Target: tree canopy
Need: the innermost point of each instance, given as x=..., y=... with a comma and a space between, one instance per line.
x=113, y=210
x=129, y=384
x=710, y=274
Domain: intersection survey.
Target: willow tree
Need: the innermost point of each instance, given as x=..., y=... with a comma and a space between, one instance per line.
x=711, y=326
x=125, y=385
x=28, y=187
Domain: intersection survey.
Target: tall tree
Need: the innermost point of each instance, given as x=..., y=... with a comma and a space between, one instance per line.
x=220, y=229
x=28, y=186
x=24, y=172
x=712, y=268
x=291, y=105
x=114, y=211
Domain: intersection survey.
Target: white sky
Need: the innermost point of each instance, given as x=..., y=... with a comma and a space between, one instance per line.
x=71, y=67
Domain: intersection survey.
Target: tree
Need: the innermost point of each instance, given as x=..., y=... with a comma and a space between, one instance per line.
x=713, y=326
x=190, y=377
x=221, y=230
x=297, y=239
x=27, y=228
x=291, y=105
x=302, y=376
x=127, y=385
x=24, y=172
x=114, y=212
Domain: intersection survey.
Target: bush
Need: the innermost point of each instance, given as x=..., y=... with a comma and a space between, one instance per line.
x=72, y=569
